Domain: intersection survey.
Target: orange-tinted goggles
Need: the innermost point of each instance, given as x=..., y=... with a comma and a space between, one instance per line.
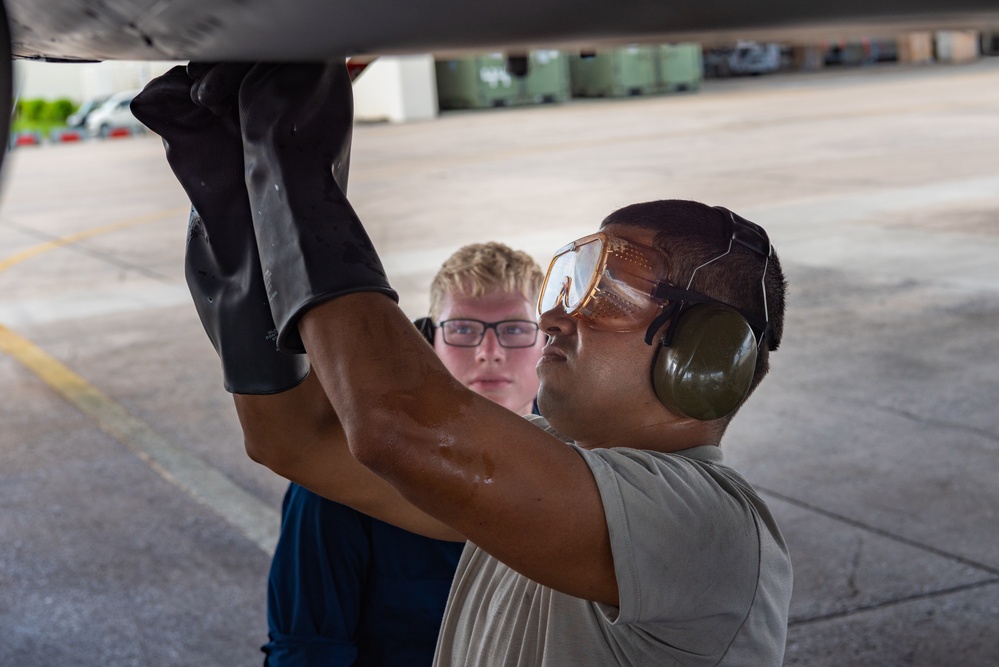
x=605, y=280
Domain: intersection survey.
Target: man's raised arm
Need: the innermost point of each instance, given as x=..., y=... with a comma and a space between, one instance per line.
x=511, y=488
x=297, y=435
x=288, y=422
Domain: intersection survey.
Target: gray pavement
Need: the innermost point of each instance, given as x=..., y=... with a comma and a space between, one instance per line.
x=135, y=531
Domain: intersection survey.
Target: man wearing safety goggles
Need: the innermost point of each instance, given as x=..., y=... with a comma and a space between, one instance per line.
x=607, y=532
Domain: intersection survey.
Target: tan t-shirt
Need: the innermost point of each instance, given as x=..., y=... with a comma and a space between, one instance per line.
x=703, y=574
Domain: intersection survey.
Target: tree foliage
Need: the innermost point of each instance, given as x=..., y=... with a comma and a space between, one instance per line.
x=39, y=110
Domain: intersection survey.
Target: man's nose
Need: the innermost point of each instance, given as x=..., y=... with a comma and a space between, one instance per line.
x=489, y=348
x=555, y=321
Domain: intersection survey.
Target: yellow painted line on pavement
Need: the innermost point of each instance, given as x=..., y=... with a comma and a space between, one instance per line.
x=255, y=519
x=19, y=257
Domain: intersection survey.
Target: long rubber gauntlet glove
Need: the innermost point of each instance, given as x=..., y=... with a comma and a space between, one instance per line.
x=297, y=121
x=205, y=151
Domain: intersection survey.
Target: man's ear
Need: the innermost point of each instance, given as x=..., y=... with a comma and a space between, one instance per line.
x=426, y=327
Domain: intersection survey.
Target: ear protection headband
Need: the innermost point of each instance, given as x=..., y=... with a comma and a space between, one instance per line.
x=704, y=364
x=425, y=326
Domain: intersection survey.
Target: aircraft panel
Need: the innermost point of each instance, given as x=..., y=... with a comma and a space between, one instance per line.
x=316, y=29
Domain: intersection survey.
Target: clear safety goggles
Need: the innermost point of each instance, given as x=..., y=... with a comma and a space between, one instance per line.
x=615, y=285
x=607, y=281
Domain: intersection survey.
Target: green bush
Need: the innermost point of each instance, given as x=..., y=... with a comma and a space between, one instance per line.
x=32, y=111
x=39, y=115
x=57, y=111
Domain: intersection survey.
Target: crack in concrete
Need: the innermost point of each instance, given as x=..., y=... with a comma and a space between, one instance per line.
x=923, y=420
x=880, y=532
x=72, y=243
x=894, y=602
x=855, y=567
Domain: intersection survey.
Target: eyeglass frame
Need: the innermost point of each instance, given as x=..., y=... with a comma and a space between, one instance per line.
x=486, y=326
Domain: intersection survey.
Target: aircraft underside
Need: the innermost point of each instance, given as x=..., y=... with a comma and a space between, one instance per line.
x=318, y=29
x=296, y=30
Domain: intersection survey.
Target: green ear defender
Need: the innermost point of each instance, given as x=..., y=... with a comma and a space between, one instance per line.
x=707, y=370
x=705, y=361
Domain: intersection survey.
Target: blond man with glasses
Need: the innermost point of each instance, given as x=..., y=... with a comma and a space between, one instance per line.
x=346, y=589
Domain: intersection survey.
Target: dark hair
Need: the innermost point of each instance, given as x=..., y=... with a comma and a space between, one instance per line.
x=689, y=234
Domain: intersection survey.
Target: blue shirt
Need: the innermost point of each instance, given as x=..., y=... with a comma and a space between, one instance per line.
x=347, y=589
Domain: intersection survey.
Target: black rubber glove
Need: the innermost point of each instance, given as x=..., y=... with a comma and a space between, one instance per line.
x=297, y=121
x=205, y=151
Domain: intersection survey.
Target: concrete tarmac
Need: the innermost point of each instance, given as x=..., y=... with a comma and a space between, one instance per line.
x=135, y=531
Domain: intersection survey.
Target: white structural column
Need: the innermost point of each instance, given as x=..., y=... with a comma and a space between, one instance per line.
x=397, y=89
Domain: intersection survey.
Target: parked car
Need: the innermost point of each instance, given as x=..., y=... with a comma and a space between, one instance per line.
x=753, y=58
x=750, y=58
x=114, y=115
x=79, y=117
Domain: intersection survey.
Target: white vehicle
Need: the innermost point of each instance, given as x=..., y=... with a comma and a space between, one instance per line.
x=754, y=58
x=745, y=58
x=79, y=117
x=114, y=115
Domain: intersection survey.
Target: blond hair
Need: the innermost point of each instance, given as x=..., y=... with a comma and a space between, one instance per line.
x=476, y=269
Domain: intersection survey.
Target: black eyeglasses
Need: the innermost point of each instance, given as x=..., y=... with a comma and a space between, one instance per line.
x=509, y=333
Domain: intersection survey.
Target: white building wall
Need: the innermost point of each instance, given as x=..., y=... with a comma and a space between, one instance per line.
x=82, y=81
x=397, y=89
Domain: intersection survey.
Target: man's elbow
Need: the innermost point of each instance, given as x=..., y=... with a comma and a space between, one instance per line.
x=386, y=446
x=265, y=453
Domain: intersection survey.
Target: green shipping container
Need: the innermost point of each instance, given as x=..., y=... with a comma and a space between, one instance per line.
x=547, y=78
x=681, y=67
x=474, y=83
x=631, y=70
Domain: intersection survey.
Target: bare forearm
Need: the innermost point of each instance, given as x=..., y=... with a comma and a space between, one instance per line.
x=512, y=489
x=279, y=430
x=297, y=435
x=387, y=384
x=405, y=417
